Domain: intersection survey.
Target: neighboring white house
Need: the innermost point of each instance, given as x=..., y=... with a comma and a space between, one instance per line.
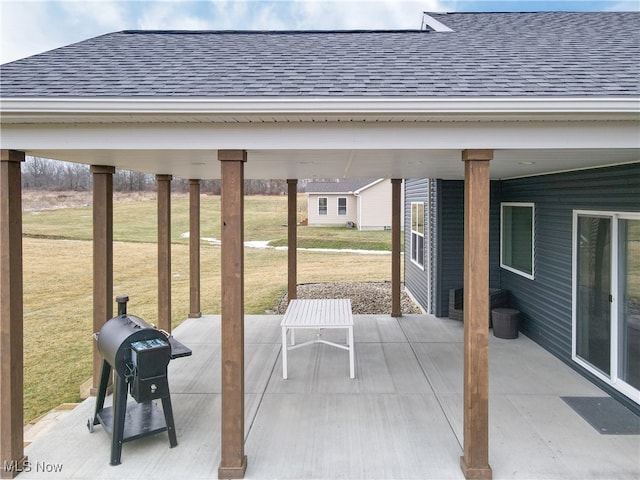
x=362, y=203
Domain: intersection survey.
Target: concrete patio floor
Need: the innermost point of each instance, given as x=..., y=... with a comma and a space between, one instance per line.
x=400, y=418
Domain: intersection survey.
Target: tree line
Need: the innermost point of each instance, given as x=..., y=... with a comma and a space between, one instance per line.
x=46, y=174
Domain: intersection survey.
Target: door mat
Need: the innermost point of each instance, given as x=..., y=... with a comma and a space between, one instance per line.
x=606, y=415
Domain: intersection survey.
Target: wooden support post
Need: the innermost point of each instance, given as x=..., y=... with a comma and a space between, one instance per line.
x=164, y=251
x=233, y=462
x=11, y=316
x=475, y=460
x=194, y=249
x=396, y=201
x=292, y=239
x=102, y=258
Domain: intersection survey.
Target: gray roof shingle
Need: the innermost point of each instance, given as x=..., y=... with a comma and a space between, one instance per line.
x=487, y=55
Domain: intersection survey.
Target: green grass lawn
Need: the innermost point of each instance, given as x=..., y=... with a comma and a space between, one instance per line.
x=338, y=238
x=265, y=219
x=58, y=301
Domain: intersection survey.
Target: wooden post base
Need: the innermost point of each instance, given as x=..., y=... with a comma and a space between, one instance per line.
x=11, y=469
x=475, y=473
x=233, y=472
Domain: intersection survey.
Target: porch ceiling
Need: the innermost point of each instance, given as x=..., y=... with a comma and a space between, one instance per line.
x=267, y=164
x=328, y=139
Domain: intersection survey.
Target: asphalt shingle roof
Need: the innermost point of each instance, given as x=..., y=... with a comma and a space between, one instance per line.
x=487, y=54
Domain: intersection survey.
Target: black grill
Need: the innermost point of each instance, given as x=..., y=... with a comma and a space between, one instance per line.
x=139, y=354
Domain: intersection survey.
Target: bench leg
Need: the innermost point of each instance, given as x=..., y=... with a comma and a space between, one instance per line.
x=352, y=372
x=285, y=348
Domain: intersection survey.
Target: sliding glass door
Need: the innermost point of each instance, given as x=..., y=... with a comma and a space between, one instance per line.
x=629, y=301
x=593, y=332
x=606, y=326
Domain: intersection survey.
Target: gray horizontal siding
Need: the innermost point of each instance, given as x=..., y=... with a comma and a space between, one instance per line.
x=546, y=302
x=415, y=278
x=450, y=241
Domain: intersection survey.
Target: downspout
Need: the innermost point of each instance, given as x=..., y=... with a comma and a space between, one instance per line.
x=358, y=209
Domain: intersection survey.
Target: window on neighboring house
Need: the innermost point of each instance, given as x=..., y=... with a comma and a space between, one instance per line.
x=342, y=205
x=516, y=238
x=417, y=233
x=322, y=206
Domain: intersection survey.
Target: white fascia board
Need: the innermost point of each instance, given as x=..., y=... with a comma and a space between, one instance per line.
x=319, y=106
x=375, y=182
x=434, y=24
x=329, y=193
x=323, y=135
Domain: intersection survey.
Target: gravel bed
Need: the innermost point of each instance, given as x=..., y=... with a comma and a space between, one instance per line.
x=367, y=298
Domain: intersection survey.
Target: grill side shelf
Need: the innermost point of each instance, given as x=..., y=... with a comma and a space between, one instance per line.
x=178, y=349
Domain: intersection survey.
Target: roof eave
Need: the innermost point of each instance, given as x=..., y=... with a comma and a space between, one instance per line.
x=368, y=185
x=618, y=108
x=329, y=193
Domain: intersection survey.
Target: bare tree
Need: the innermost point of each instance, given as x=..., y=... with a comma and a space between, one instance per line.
x=130, y=181
x=73, y=176
x=44, y=173
x=37, y=172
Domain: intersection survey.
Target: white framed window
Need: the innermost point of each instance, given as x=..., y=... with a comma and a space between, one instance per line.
x=322, y=205
x=517, y=235
x=417, y=233
x=342, y=205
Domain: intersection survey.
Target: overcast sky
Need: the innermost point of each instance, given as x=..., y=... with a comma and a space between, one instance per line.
x=33, y=26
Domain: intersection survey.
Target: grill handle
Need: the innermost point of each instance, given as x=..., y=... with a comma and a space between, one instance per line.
x=122, y=300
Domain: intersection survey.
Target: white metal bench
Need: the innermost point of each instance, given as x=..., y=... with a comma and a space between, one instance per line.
x=317, y=314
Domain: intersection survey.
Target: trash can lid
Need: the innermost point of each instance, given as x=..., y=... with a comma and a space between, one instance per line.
x=506, y=311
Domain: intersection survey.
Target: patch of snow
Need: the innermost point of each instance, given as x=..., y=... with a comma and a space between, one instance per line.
x=262, y=244
x=211, y=240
